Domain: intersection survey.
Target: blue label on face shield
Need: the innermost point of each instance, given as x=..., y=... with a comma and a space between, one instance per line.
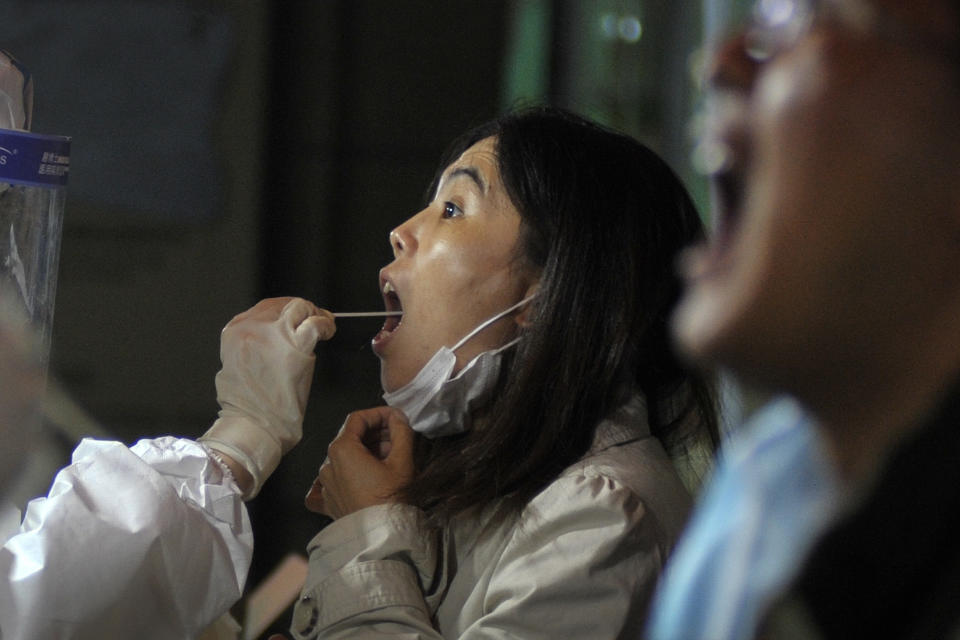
x=34, y=160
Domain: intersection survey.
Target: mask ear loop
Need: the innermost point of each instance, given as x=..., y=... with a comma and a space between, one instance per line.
x=486, y=323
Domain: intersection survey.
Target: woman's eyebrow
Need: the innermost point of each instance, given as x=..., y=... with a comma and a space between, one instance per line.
x=471, y=172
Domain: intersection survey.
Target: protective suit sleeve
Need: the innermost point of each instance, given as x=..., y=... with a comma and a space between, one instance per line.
x=262, y=388
x=148, y=542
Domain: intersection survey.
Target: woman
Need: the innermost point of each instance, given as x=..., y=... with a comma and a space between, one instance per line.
x=541, y=502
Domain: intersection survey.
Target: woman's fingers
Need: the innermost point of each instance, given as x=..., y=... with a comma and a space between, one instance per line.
x=367, y=464
x=399, y=455
x=369, y=428
x=314, y=499
x=359, y=423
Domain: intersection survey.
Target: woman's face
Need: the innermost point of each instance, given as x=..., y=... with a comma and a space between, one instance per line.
x=455, y=265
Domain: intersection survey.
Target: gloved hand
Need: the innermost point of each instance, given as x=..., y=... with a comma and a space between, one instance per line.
x=267, y=356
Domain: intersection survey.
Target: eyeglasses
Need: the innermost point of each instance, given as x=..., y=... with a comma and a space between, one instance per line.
x=778, y=25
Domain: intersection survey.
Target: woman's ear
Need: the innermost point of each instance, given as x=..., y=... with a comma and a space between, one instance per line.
x=524, y=318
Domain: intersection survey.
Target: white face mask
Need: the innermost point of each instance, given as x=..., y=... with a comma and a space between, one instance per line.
x=437, y=404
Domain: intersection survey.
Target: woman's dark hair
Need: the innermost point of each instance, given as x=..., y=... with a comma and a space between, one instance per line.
x=603, y=218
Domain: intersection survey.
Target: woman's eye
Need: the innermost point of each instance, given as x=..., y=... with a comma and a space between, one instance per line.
x=451, y=210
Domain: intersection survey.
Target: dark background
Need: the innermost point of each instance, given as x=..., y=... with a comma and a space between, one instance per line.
x=225, y=151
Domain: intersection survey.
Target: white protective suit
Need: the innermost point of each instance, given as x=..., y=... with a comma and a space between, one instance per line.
x=154, y=541
x=147, y=542
x=580, y=561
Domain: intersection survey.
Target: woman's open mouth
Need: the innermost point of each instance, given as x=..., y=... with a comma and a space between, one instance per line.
x=391, y=302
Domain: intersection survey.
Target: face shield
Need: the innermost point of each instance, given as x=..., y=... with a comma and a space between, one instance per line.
x=33, y=179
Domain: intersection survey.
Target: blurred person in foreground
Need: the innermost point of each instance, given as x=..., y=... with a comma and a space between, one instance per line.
x=832, y=277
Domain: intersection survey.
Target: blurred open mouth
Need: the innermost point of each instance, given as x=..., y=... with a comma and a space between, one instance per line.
x=727, y=202
x=725, y=215
x=723, y=158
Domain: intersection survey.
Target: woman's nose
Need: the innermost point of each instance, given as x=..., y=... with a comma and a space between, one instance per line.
x=731, y=66
x=401, y=240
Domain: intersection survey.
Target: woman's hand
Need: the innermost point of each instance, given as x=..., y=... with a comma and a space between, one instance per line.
x=368, y=462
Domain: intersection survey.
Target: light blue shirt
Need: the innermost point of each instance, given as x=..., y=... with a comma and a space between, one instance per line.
x=772, y=494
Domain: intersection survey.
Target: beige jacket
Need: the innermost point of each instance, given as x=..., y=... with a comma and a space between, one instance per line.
x=580, y=560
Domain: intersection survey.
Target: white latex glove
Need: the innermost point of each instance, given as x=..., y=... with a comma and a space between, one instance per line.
x=267, y=356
